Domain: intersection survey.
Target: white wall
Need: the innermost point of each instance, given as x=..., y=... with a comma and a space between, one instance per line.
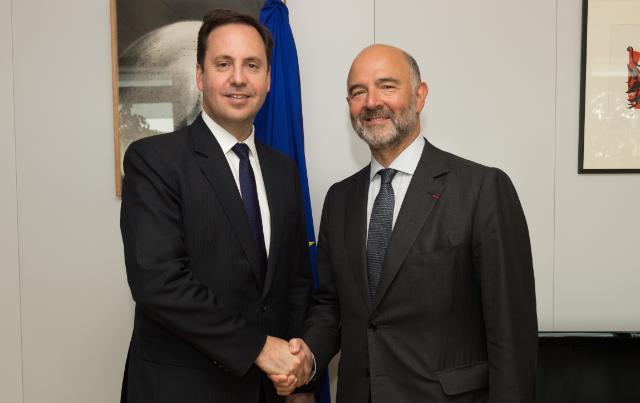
x=76, y=308
x=597, y=259
x=490, y=66
x=324, y=55
x=10, y=361
x=504, y=79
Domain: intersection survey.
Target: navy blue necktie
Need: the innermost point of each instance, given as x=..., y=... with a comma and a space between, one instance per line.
x=250, y=201
x=380, y=229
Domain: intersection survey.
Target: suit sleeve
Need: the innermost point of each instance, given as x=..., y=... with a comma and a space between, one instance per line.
x=322, y=328
x=300, y=276
x=504, y=269
x=158, y=272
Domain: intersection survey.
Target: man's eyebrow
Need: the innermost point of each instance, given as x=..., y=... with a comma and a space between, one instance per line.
x=379, y=81
x=254, y=59
x=355, y=86
x=387, y=80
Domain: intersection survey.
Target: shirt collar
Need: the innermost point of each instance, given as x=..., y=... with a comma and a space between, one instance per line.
x=226, y=139
x=406, y=162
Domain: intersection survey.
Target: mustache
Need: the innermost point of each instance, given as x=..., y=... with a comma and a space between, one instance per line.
x=375, y=114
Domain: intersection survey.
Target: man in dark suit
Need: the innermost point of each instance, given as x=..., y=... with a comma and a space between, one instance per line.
x=215, y=248
x=425, y=272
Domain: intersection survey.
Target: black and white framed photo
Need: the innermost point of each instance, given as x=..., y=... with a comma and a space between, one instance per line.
x=153, y=48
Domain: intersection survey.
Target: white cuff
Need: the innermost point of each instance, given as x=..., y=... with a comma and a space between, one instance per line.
x=313, y=372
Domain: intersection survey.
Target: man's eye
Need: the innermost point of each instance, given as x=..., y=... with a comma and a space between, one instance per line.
x=253, y=66
x=356, y=94
x=222, y=65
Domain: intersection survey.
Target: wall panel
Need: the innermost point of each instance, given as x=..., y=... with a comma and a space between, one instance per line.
x=597, y=216
x=328, y=36
x=10, y=344
x=490, y=66
x=76, y=308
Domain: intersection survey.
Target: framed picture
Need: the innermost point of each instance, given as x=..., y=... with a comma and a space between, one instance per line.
x=153, y=49
x=610, y=87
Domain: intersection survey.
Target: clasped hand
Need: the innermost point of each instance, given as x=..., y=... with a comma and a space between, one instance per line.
x=288, y=364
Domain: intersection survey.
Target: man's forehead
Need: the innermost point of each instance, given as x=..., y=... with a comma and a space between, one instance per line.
x=235, y=32
x=377, y=70
x=228, y=39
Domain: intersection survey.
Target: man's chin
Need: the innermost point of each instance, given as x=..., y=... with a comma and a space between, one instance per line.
x=242, y=115
x=377, y=143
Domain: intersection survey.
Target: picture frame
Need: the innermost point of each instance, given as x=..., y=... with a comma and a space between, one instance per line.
x=153, y=51
x=609, y=140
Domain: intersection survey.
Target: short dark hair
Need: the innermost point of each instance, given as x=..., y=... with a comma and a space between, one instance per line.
x=219, y=17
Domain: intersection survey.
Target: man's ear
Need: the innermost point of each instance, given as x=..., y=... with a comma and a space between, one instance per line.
x=269, y=79
x=421, y=96
x=199, y=72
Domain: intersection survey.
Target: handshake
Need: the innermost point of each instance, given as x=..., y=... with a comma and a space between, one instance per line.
x=288, y=364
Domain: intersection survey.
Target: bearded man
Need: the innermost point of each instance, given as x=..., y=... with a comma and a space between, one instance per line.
x=425, y=272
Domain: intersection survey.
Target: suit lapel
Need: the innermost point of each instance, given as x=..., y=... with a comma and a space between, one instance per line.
x=216, y=169
x=425, y=188
x=274, y=187
x=355, y=231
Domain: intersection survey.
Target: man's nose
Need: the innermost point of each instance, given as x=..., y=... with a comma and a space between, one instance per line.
x=238, y=76
x=373, y=100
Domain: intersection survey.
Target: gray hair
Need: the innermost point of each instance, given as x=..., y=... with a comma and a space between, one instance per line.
x=414, y=69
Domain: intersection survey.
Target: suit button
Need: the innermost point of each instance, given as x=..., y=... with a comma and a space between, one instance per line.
x=367, y=373
x=372, y=326
x=263, y=308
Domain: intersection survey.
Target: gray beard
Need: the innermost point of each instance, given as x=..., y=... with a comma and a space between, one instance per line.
x=403, y=124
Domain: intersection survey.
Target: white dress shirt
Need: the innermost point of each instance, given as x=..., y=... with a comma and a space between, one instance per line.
x=405, y=164
x=226, y=141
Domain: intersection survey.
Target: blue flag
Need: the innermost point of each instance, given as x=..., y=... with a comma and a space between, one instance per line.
x=279, y=122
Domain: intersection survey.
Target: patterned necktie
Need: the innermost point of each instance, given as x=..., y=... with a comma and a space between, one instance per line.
x=380, y=229
x=250, y=201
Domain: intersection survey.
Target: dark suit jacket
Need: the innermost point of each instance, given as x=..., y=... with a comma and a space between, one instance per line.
x=202, y=313
x=454, y=318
